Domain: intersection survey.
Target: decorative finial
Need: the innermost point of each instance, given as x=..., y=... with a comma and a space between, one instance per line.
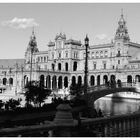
x=33, y=31
x=122, y=12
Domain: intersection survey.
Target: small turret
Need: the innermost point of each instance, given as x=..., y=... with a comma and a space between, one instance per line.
x=32, y=47
x=122, y=32
x=32, y=43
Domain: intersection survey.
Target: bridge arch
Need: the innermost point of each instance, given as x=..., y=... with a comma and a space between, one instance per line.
x=105, y=90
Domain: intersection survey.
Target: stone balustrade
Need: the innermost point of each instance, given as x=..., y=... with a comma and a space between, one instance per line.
x=114, y=126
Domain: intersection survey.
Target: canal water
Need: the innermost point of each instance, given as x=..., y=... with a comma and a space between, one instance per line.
x=117, y=106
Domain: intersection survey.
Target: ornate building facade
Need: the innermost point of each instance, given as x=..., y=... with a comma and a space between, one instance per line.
x=63, y=63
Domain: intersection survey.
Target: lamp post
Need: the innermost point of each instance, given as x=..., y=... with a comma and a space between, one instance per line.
x=86, y=65
x=16, y=78
x=22, y=83
x=32, y=45
x=10, y=82
x=31, y=65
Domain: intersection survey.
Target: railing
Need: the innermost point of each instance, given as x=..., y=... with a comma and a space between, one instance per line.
x=112, y=86
x=115, y=126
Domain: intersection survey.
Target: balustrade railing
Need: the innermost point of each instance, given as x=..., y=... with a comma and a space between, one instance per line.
x=114, y=126
x=112, y=86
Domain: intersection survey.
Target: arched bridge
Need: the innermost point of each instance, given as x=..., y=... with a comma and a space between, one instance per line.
x=96, y=92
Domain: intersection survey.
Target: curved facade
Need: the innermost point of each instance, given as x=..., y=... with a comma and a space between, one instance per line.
x=64, y=61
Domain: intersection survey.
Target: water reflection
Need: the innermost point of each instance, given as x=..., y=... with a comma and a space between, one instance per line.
x=117, y=106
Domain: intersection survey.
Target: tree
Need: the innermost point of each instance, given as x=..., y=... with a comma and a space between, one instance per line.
x=1, y=104
x=76, y=89
x=12, y=104
x=36, y=94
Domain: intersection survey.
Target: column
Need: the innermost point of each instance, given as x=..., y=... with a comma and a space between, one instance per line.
x=95, y=80
x=89, y=82
x=51, y=82
x=57, y=82
x=62, y=82
x=69, y=81
x=45, y=81
x=82, y=79
x=101, y=80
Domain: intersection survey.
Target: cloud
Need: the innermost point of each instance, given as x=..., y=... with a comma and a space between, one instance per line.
x=20, y=23
x=102, y=38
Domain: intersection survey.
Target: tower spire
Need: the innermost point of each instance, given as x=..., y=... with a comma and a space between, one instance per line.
x=33, y=42
x=122, y=32
x=33, y=32
x=122, y=12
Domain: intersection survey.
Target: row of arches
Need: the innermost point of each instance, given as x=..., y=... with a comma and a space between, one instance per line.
x=66, y=66
x=55, y=82
x=6, y=81
x=130, y=79
x=59, y=82
x=105, y=79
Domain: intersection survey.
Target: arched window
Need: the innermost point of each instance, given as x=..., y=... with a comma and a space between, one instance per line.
x=137, y=78
x=42, y=81
x=66, y=66
x=106, y=53
x=48, y=81
x=112, y=78
x=101, y=54
x=105, y=79
x=60, y=82
x=129, y=79
x=75, y=66
x=92, y=80
x=41, y=59
x=98, y=80
x=73, y=80
x=11, y=81
x=4, y=81
x=92, y=54
x=97, y=54
x=79, y=80
x=59, y=66
x=54, y=82
x=44, y=59
x=66, y=82
x=53, y=67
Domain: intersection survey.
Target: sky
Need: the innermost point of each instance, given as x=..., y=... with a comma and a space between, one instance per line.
x=98, y=20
